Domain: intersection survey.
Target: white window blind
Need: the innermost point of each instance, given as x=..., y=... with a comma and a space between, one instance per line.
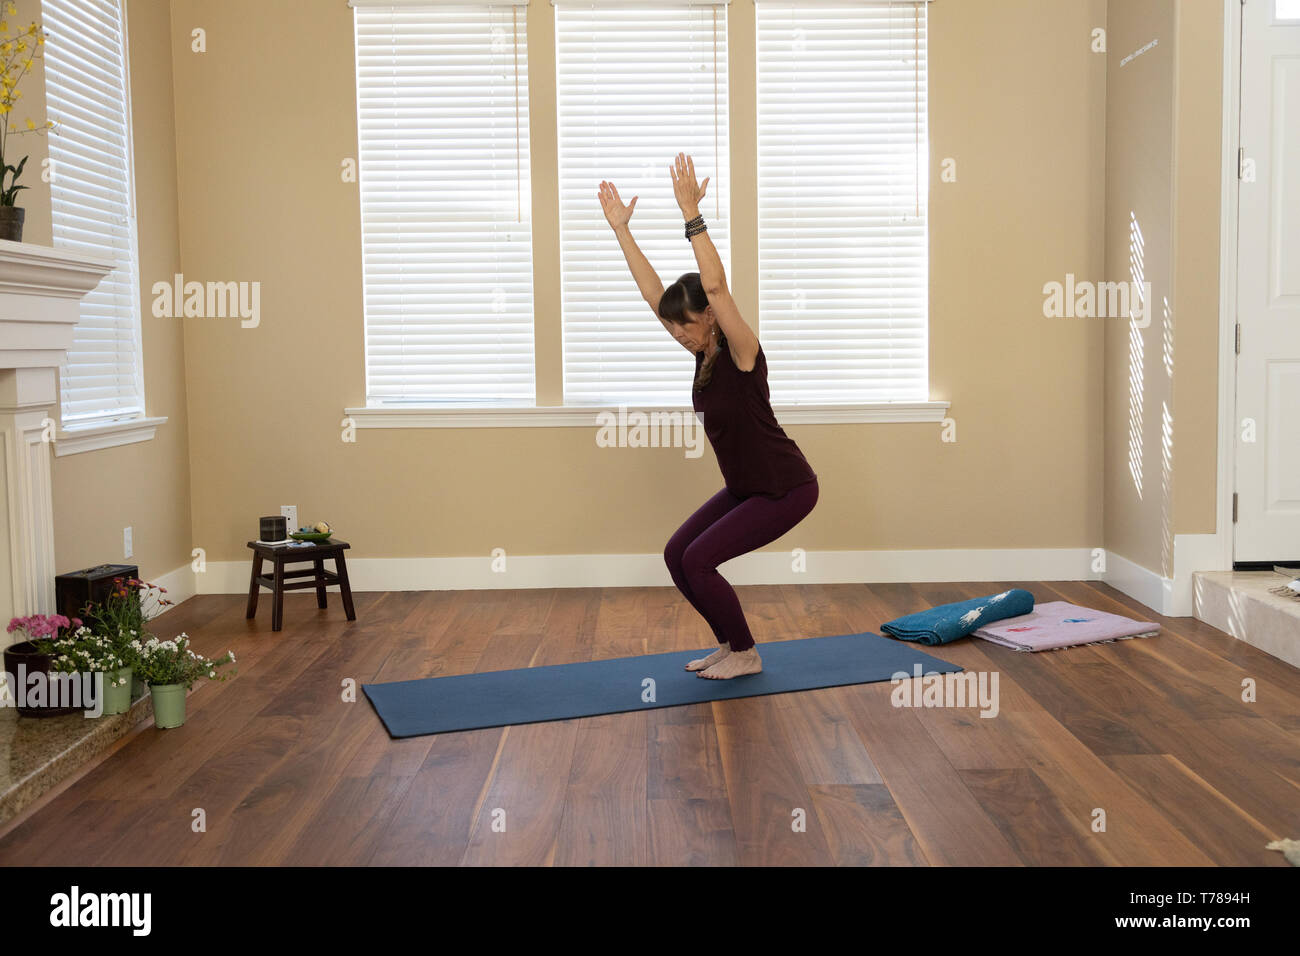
x=92, y=203
x=637, y=84
x=442, y=119
x=842, y=184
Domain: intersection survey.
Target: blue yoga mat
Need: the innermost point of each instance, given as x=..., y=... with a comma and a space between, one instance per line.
x=435, y=705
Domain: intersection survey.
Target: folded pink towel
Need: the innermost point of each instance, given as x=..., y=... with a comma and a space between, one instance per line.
x=1061, y=624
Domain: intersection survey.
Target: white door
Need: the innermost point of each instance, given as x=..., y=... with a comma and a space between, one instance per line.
x=1268, y=286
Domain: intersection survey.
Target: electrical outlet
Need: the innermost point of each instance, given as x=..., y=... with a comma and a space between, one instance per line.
x=290, y=513
x=128, y=550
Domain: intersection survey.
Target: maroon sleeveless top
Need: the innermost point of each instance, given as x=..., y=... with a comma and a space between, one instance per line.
x=755, y=455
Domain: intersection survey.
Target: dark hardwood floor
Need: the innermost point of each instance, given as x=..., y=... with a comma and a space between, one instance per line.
x=1153, y=733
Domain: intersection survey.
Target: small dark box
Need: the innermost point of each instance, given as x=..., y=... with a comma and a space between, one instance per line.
x=73, y=591
x=274, y=528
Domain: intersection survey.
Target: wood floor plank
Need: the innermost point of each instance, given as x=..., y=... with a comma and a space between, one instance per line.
x=1090, y=700
x=523, y=807
x=1137, y=832
x=437, y=814
x=268, y=821
x=164, y=832
x=688, y=817
x=349, y=822
x=605, y=820
x=947, y=821
x=1030, y=817
x=1253, y=762
x=434, y=817
x=765, y=788
x=1210, y=819
x=569, y=631
x=287, y=771
x=157, y=763
x=1277, y=692
x=519, y=819
x=825, y=743
x=93, y=832
x=864, y=826
x=970, y=741
x=826, y=746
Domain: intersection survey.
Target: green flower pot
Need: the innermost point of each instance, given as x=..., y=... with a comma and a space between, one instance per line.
x=117, y=700
x=168, y=704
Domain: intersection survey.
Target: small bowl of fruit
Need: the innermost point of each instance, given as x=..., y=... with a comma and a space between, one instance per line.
x=321, y=531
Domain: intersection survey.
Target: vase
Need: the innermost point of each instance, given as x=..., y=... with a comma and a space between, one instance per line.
x=22, y=659
x=168, y=704
x=117, y=699
x=11, y=223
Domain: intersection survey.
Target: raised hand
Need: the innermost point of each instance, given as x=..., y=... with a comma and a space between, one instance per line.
x=687, y=192
x=616, y=212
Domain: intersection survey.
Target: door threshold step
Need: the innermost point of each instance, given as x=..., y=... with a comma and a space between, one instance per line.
x=1241, y=604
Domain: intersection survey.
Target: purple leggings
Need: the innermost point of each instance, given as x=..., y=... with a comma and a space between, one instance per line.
x=725, y=527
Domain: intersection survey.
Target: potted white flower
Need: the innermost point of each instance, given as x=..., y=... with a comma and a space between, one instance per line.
x=170, y=668
x=98, y=654
x=124, y=615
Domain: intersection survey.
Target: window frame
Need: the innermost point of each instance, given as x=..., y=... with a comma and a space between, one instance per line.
x=436, y=361
x=76, y=437
x=430, y=416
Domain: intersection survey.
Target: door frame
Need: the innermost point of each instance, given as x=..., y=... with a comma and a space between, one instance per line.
x=1232, y=20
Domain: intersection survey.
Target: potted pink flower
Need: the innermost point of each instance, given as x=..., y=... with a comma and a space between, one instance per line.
x=34, y=655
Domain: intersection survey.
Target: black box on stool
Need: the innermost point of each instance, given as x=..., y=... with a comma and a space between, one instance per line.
x=74, y=590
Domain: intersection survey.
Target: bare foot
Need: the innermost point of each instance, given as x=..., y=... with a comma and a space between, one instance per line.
x=735, y=664
x=703, y=662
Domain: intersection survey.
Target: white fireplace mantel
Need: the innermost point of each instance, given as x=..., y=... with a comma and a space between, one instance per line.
x=41, y=288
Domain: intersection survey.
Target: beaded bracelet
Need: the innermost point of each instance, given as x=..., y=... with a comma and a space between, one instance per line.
x=695, y=226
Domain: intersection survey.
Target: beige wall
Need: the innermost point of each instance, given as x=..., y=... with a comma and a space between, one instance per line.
x=1047, y=174
x=145, y=486
x=267, y=114
x=1139, y=388
x=1162, y=169
x=1198, y=134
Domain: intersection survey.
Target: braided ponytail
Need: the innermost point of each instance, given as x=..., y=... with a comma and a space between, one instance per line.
x=704, y=374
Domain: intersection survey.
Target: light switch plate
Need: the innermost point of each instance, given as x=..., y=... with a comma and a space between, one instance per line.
x=290, y=513
x=128, y=547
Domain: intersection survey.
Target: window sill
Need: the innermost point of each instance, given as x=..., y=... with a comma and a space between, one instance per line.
x=586, y=417
x=74, y=441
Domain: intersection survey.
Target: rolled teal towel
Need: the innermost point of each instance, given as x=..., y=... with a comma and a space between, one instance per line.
x=945, y=623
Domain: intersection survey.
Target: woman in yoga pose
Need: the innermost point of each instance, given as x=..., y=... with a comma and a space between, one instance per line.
x=769, y=486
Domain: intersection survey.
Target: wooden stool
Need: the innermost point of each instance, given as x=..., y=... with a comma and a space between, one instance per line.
x=318, y=553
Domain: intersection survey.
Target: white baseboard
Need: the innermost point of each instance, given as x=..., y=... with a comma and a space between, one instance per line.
x=1142, y=584
x=648, y=570
x=180, y=584
x=1172, y=597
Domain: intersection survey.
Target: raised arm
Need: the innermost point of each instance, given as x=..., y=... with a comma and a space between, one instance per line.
x=618, y=214
x=741, y=340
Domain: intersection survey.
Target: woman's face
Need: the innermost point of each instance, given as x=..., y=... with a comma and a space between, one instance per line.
x=697, y=331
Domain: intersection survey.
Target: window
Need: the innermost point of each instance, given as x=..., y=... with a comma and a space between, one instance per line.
x=637, y=84
x=842, y=194
x=93, y=206
x=442, y=119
